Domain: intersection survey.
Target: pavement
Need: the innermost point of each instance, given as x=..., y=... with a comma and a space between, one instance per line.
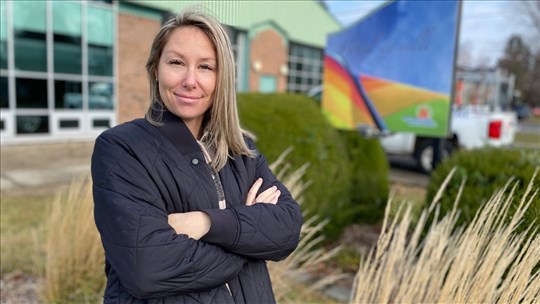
x=48, y=165
x=28, y=167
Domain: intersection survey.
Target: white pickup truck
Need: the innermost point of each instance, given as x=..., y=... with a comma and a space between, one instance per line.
x=470, y=128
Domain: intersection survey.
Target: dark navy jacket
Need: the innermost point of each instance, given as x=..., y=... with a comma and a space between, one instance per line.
x=141, y=173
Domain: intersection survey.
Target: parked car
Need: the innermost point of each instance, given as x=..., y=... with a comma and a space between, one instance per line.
x=523, y=111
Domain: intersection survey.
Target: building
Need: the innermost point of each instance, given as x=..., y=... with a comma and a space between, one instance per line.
x=71, y=69
x=491, y=88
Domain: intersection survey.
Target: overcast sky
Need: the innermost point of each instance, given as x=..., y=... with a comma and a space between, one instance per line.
x=486, y=26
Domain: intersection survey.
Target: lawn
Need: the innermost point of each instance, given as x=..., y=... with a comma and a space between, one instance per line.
x=23, y=229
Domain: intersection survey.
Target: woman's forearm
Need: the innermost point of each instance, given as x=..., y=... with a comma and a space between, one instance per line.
x=194, y=224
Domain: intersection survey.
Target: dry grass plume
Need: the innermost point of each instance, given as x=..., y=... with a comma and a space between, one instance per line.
x=486, y=262
x=74, y=265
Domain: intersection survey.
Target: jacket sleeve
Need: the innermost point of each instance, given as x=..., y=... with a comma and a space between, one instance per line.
x=262, y=231
x=151, y=260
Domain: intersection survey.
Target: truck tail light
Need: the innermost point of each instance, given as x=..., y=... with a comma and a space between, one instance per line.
x=495, y=128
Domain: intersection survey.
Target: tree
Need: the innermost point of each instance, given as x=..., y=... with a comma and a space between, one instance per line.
x=532, y=10
x=517, y=60
x=532, y=83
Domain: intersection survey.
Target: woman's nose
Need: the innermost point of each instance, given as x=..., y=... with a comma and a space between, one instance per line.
x=190, y=80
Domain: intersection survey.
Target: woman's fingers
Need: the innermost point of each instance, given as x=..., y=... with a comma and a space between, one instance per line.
x=252, y=193
x=270, y=195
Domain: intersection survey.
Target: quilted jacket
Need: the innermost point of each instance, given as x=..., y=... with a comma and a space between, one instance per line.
x=141, y=173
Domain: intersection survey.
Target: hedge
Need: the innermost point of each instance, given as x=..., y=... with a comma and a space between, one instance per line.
x=487, y=170
x=284, y=120
x=369, y=171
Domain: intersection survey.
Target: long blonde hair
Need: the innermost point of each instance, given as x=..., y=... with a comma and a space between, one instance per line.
x=225, y=137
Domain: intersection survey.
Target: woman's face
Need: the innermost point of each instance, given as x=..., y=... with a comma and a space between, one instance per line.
x=186, y=75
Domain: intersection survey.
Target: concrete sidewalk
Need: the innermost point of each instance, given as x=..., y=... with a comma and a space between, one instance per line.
x=27, y=166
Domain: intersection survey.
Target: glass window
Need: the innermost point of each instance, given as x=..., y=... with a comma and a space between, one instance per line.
x=305, y=68
x=3, y=36
x=100, y=123
x=68, y=94
x=29, y=33
x=100, y=95
x=100, y=41
x=68, y=123
x=4, y=94
x=67, y=37
x=29, y=124
x=31, y=93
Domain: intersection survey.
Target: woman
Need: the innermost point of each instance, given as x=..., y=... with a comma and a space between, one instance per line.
x=178, y=196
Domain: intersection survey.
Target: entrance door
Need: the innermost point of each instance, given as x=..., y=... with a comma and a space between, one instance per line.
x=267, y=84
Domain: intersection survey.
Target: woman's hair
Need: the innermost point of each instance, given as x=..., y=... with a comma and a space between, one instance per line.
x=221, y=119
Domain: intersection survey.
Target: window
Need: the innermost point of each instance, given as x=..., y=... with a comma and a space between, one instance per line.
x=58, y=79
x=68, y=124
x=4, y=94
x=237, y=39
x=29, y=124
x=29, y=33
x=3, y=36
x=31, y=93
x=68, y=94
x=100, y=95
x=100, y=41
x=101, y=123
x=305, y=68
x=67, y=37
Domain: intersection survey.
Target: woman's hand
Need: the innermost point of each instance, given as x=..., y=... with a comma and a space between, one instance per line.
x=195, y=223
x=268, y=196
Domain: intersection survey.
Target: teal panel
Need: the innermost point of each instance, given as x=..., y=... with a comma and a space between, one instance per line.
x=67, y=18
x=29, y=15
x=3, y=38
x=100, y=26
x=3, y=23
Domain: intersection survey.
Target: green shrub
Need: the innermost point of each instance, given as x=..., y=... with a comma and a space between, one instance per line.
x=486, y=170
x=281, y=121
x=368, y=170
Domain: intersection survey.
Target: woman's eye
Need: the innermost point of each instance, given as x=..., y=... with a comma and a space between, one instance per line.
x=176, y=62
x=207, y=67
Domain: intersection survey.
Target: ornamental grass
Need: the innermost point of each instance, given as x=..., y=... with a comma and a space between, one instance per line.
x=437, y=261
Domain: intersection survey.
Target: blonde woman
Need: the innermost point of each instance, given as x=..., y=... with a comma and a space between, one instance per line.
x=187, y=209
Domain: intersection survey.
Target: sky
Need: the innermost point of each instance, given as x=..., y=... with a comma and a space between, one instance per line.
x=486, y=26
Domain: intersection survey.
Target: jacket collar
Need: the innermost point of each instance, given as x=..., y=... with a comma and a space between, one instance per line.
x=176, y=131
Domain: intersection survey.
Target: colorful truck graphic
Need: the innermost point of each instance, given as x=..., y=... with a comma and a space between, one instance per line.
x=394, y=69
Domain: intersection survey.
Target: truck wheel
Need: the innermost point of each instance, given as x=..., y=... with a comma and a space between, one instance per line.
x=424, y=154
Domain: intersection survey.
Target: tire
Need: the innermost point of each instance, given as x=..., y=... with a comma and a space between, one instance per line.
x=424, y=153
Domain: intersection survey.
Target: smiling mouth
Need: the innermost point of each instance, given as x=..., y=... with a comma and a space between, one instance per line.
x=188, y=98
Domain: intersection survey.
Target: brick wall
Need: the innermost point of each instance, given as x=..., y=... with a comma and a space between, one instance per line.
x=135, y=35
x=268, y=48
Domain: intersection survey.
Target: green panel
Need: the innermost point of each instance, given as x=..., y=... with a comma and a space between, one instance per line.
x=408, y=120
x=66, y=18
x=100, y=26
x=29, y=15
x=306, y=22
